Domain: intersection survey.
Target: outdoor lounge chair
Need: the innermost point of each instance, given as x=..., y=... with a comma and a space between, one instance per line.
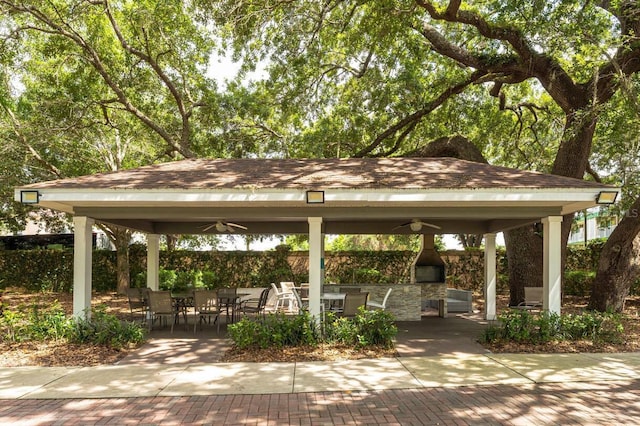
x=378, y=305
x=532, y=299
x=282, y=298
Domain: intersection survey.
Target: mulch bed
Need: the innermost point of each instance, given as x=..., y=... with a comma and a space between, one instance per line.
x=65, y=354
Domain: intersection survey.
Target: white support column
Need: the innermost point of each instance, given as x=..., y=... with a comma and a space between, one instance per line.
x=153, y=261
x=316, y=266
x=82, y=258
x=552, y=264
x=490, y=277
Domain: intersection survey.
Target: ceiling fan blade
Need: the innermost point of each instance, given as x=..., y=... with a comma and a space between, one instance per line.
x=235, y=225
x=401, y=226
x=208, y=227
x=431, y=225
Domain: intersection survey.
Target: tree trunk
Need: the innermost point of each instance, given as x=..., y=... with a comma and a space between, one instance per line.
x=171, y=242
x=471, y=240
x=619, y=264
x=524, y=261
x=524, y=247
x=122, y=238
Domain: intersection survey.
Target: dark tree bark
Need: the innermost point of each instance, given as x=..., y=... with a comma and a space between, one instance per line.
x=619, y=264
x=450, y=146
x=172, y=240
x=471, y=240
x=523, y=245
x=122, y=238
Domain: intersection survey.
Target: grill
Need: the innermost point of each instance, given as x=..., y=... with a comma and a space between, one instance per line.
x=428, y=267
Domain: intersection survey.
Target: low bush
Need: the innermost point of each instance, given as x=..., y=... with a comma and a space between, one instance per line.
x=106, y=330
x=275, y=330
x=35, y=323
x=525, y=327
x=578, y=283
x=367, y=328
x=51, y=323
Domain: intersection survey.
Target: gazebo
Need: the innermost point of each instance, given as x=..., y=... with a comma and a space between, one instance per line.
x=318, y=197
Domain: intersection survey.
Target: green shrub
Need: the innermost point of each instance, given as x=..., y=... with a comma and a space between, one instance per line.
x=339, y=330
x=367, y=328
x=13, y=323
x=524, y=327
x=51, y=323
x=275, y=330
x=578, y=283
x=167, y=278
x=35, y=323
x=106, y=329
x=375, y=328
x=210, y=280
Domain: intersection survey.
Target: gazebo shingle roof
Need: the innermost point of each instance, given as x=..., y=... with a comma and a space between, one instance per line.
x=361, y=173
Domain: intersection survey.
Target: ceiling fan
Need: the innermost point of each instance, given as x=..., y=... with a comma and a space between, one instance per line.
x=222, y=226
x=417, y=224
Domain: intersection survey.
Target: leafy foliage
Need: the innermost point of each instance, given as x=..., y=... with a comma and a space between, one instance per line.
x=522, y=326
x=51, y=323
x=106, y=329
x=181, y=270
x=367, y=328
x=276, y=330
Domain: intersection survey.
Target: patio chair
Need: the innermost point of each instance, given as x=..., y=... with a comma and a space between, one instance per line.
x=227, y=299
x=352, y=302
x=378, y=305
x=304, y=293
x=161, y=307
x=338, y=305
x=256, y=306
x=205, y=303
x=532, y=299
x=137, y=303
x=282, y=298
x=297, y=301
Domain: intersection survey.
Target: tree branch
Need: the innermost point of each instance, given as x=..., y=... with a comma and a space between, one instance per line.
x=92, y=57
x=164, y=78
x=414, y=118
x=23, y=140
x=525, y=64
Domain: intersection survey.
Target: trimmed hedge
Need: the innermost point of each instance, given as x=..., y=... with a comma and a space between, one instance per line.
x=52, y=270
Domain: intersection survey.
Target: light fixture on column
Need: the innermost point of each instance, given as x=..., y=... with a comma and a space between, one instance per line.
x=607, y=197
x=29, y=197
x=315, y=197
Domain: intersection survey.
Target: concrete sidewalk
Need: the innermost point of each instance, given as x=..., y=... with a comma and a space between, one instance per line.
x=453, y=370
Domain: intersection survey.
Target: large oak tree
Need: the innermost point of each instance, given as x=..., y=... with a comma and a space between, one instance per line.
x=380, y=77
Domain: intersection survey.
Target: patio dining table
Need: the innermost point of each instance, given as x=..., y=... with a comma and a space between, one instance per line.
x=331, y=298
x=182, y=302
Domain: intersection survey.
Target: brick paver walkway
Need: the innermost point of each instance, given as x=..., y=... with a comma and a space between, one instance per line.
x=606, y=403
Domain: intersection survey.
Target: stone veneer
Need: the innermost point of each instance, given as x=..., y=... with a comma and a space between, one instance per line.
x=404, y=301
x=435, y=291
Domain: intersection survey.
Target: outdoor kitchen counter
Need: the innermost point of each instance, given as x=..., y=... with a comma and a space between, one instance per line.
x=404, y=301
